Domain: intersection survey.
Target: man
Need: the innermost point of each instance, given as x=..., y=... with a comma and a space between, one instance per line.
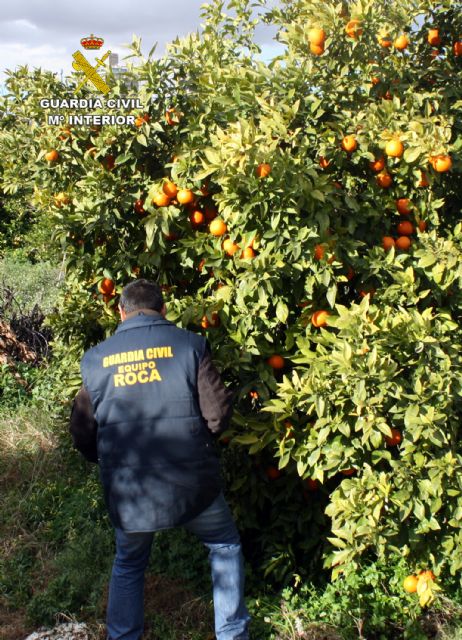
x=150, y=400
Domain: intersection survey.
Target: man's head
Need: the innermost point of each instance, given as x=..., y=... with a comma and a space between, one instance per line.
x=141, y=294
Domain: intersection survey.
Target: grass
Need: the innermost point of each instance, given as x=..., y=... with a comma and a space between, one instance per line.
x=56, y=544
x=56, y=552
x=32, y=283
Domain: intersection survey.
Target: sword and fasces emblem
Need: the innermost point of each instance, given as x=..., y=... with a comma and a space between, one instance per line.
x=91, y=74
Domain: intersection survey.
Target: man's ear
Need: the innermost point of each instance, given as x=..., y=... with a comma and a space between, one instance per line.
x=163, y=311
x=123, y=315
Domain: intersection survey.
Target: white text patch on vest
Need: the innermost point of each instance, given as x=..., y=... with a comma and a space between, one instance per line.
x=136, y=377
x=137, y=355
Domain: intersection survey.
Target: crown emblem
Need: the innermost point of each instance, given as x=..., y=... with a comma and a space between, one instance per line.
x=92, y=42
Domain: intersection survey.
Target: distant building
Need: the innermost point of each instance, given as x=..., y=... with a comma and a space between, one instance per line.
x=121, y=73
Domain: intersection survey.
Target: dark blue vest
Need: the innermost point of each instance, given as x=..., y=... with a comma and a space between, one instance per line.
x=157, y=459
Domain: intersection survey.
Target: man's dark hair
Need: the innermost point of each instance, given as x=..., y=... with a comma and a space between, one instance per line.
x=141, y=294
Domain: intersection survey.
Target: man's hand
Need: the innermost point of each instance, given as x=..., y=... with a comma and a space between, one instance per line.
x=83, y=426
x=215, y=400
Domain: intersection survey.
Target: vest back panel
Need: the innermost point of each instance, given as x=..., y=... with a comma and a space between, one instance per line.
x=151, y=435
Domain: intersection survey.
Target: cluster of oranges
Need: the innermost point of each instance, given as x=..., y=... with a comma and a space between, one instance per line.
x=107, y=289
x=394, y=148
x=141, y=119
x=171, y=194
x=404, y=228
x=354, y=29
x=411, y=583
x=317, y=37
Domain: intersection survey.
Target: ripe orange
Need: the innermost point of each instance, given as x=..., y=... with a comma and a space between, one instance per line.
x=348, y=472
x=140, y=120
x=441, y=163
x=367, y=291
x=109, y=162
x=161, y=199
x=384, y=40
x=65, y=133
x=317, y=49
x=185, y=196
x=312, y=485
x=263, y=170
x=410, y=584
x=405, y=228
x=106, y=286
x=401, y=42
x=289, y=429
x=388, y=242
x=276, y=361
x=384, y=179
x=422, y=224
x=375, y=80
x=214, y=322
x=196, y=218
x=230, y=247
x=434, y=37
x=317, y=36
x=426, y=575
x=394, y=148
x=172, y=116
x=423, y=182
x=272, y=473
x=354, y=29
x=394, y=439
x=403, y=243
x=52, y=156
x=403, y=205
x=378, y=164
x=61, y=198
x=349, y=143
x=248, y=253
x=217, y=227
x=170, y=189
x=139, y=208
x=319, y=318
x=457, y=48
x=319, y=251
x=323, y=162
x=254, y=395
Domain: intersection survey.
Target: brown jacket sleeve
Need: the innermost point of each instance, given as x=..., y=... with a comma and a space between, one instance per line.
x=215, y=400
x=83, y=426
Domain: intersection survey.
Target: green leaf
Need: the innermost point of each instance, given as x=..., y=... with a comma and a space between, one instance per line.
x=122, y=158
x=282, y=311
x=249, y=438
x=141, y=138
x=411, y=154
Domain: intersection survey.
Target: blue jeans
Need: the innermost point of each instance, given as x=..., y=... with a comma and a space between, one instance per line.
x=216, y=529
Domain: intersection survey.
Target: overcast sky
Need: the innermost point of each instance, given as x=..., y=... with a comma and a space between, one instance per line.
x=45, y=33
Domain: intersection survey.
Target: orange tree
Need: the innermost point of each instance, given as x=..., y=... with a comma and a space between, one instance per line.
x=304, y=215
